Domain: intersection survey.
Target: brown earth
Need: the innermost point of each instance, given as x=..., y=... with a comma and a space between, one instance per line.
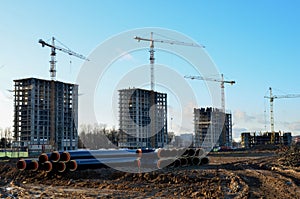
x=256, y=174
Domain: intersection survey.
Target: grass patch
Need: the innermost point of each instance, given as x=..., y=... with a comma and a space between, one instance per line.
x=14, y=154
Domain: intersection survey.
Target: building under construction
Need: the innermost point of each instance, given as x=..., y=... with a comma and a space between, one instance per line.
x=45, y=114
x=212, y=127
x=249, y=140
x=142, y=118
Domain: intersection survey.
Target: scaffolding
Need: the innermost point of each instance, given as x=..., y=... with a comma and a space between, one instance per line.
x=142, y=118
x=46, y=114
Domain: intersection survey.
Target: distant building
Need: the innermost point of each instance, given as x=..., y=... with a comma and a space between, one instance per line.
x=287, y=139
x=296, y=139
x=184, y=140
x=249, y=140
x=212, y=127
x=45, y=114
x=225, y=138
x=142, y=118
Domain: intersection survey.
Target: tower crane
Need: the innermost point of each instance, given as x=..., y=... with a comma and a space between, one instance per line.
x=151, y=51
x=272, y=97
x=53, y=55
x=222, y=81
x=151, y=40
x=52, y=84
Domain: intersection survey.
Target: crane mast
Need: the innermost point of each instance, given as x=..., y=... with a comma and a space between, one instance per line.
x=53, y=61
x=153, y=126
x=152, y=61
x=272, y=97
x=272, y=113
x=222, y=93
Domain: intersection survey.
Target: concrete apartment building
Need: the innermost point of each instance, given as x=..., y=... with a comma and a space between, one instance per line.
x=212, y=127
x=45, y=114
x=142, y=118
x=252, y=139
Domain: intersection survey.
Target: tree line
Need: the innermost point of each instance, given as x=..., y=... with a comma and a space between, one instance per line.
x=97, y=136
x=5, y=138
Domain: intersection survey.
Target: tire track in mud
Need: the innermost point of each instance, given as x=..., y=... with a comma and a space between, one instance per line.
x=265, y=183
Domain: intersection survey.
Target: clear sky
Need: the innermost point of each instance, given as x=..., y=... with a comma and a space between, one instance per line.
x=256, y=43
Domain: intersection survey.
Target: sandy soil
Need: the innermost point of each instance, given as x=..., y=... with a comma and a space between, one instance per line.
x=228, y=175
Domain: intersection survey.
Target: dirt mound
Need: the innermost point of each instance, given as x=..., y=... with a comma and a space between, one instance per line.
x=161, y=183
x=290, y=157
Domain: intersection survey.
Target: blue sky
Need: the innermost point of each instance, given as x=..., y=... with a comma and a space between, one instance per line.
x=256, y=43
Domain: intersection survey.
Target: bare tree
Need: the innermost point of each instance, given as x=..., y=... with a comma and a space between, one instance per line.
x=96, y=136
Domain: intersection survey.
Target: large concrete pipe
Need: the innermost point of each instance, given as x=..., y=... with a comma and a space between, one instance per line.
x=190, y=161
x=200, y=152
x=191, y=152
x=46, y=166
x=180, y=152
x=161, y=153
x=196, y=160
x=183, y=162
x=159, y=163
x=177, y=163
x=167, y=153
x=82, y=164
x=43, y=157
x=204, y=160
x=96, y=154
x=167, y=162
x=72, y=165
x=27, y=164
x=185, y=152
x=59, y=166
x=148, y=162
x=54, y=157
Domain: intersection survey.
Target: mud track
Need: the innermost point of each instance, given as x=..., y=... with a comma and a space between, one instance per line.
x=229, y=175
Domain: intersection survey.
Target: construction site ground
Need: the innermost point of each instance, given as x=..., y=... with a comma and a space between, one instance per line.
x=246, y=174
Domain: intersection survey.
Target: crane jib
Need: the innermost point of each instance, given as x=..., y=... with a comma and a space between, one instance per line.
x=53, y=54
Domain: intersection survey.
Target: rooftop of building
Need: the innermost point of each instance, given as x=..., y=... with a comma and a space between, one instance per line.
x=139, y=89
x=210, y=109
x=264, y=133
x=47, y=80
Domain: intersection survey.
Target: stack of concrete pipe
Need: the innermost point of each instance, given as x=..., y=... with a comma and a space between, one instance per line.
x=81, y=160
x=173, y=158
x=95, y=159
